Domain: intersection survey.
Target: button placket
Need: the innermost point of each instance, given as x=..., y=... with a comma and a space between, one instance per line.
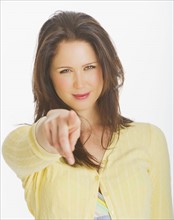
x=97, y=177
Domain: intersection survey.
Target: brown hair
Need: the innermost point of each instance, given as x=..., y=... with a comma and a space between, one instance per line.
x=66, y=25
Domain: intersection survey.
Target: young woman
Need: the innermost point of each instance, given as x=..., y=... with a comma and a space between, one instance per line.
x=81, y=159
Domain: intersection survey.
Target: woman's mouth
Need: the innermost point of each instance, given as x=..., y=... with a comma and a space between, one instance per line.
x=81, y=96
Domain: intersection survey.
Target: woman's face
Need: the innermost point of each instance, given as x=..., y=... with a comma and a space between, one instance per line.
x=77, y=75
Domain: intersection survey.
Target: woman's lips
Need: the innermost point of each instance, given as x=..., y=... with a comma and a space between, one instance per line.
x=81, y=96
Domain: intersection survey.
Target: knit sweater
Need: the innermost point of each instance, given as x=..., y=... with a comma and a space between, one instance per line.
x=134, y=179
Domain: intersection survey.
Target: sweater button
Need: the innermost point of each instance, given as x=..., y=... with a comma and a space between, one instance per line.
x=96, y=177
x=103, y=162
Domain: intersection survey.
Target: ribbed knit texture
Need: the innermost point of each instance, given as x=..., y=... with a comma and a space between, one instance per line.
x=134, y=180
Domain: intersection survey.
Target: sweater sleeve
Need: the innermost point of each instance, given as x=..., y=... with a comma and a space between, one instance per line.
x=23, y=154
x=160, y=172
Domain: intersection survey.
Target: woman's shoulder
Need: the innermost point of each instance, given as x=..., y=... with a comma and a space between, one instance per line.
x=143, y=128
x=144, y=133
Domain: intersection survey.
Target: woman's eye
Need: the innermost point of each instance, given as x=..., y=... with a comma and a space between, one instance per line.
x=65, y=71
x=90, y=67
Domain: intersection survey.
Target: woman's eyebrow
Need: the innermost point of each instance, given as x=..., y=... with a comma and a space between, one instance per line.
x=63, y=67
x=90, y=63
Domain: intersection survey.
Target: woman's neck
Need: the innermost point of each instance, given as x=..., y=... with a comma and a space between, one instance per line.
x=89, y=119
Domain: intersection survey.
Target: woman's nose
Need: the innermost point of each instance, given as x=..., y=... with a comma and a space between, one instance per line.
x=78, y=80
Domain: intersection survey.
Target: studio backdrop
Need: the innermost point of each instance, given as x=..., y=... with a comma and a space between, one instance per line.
x=142, y=32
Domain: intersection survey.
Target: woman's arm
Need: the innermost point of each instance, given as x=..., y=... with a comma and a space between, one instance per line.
x=160, y=172
x=29, y=149
x=23, y=154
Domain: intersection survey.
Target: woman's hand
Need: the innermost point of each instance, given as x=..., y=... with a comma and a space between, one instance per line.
x=58, y=132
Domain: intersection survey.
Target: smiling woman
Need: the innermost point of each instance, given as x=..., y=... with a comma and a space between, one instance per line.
x=80, y=148
x=77, y=76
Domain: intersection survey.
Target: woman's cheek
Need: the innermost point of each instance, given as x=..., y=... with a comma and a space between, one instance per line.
x=63, y=83
x=96, y=78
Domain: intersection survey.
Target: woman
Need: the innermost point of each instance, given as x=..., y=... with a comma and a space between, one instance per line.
x=81, y=159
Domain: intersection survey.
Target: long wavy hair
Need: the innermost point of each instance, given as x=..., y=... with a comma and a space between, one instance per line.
x=69, y=26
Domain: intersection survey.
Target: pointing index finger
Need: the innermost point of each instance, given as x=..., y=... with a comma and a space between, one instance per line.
x=64, y=143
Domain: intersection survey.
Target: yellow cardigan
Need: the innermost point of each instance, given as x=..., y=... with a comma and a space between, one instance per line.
x=135, y=178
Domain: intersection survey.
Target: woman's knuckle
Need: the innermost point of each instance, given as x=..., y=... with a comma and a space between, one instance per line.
x=62, y=139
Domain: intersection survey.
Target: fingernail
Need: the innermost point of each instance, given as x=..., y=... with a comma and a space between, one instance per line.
x=71, y=160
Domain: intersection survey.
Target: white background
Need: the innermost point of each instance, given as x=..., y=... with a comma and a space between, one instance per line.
x=143, y=35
